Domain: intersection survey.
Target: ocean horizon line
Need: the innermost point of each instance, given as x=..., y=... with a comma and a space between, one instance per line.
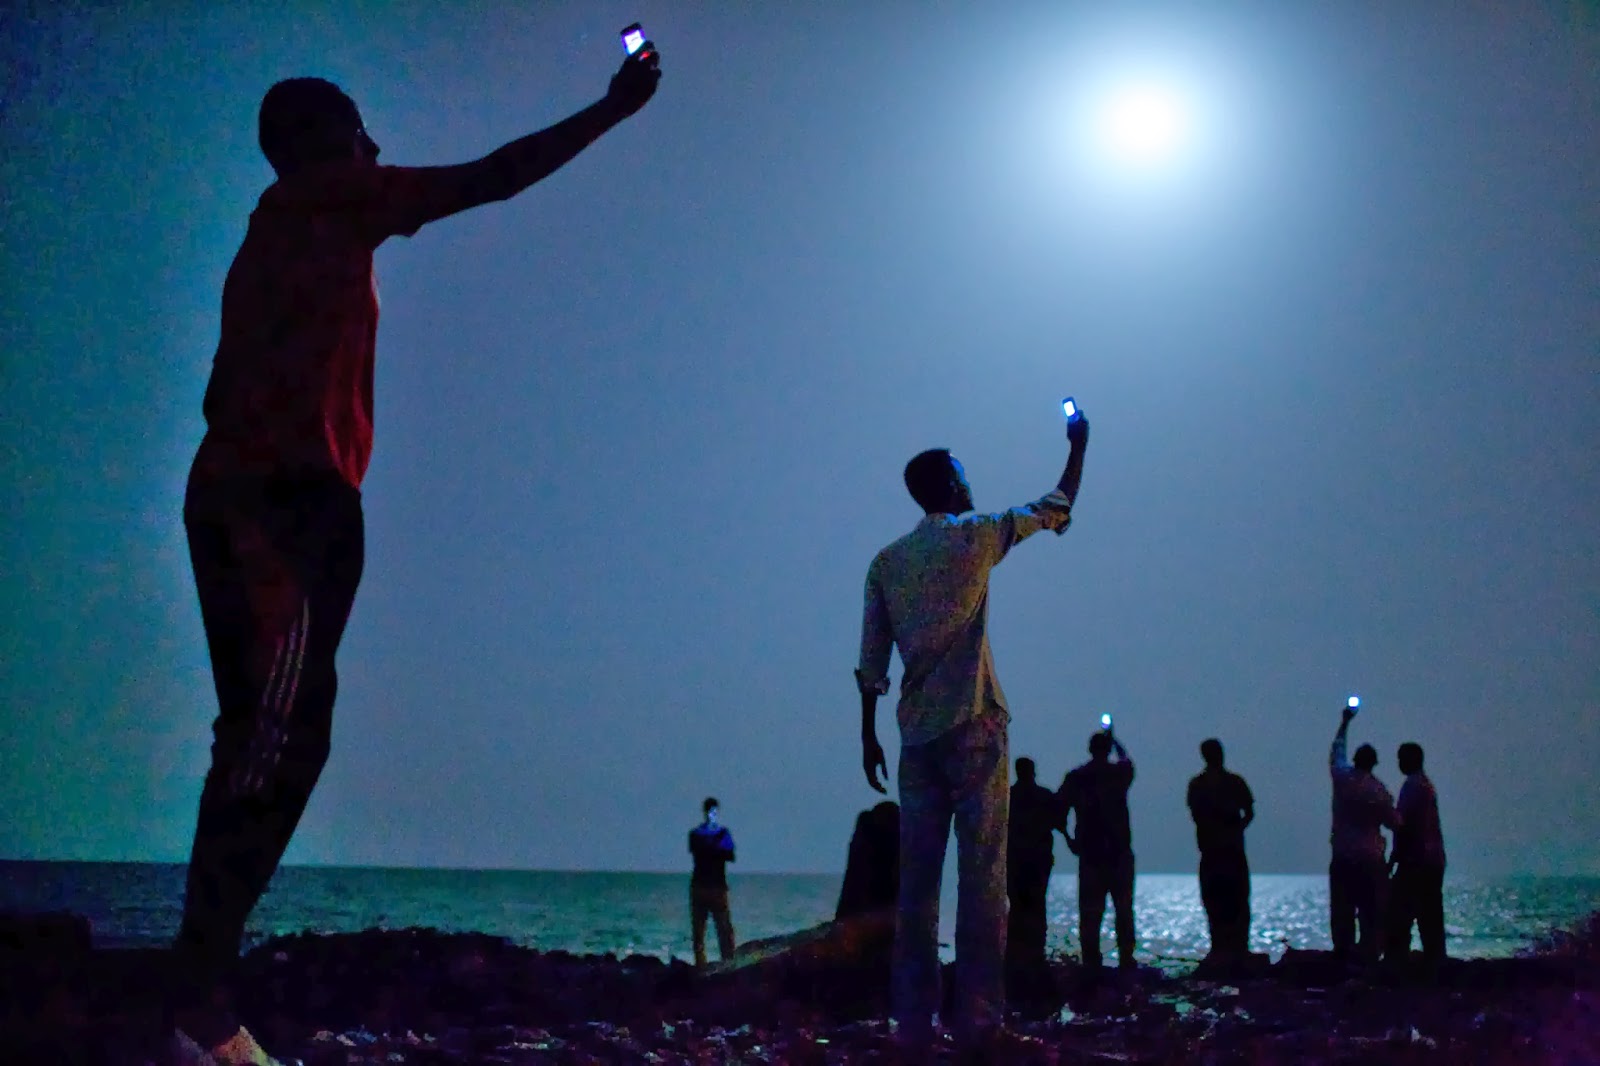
x=740, y=874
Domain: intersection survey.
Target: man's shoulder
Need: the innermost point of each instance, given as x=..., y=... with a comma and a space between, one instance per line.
x=891, y=552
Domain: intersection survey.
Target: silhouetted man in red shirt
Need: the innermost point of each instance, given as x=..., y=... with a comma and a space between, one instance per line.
x=273, y=506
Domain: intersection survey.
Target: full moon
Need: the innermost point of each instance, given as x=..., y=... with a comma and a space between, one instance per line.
x=1143, y=124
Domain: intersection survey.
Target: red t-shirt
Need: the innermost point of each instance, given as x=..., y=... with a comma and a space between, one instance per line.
x=291, y=383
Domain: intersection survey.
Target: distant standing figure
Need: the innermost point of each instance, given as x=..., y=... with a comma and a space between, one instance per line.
x=711, y=844
x=1416, y=893
x=1222, y=807
x=1098, y=792
x=1358, y=879
x=1030, y=856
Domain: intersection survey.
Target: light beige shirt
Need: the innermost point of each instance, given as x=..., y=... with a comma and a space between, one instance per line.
x=928, y=594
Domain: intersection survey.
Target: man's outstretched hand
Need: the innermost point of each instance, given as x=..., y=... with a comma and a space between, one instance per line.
x=873, y=762
x=635, y=82
x=1078, y=431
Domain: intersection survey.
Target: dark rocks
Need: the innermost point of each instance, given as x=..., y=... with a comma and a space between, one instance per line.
x=819, y=996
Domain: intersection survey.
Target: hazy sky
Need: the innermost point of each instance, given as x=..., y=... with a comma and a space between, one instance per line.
x=641, y=430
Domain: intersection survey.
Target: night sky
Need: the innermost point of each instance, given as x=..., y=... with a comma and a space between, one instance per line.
x=641, y=430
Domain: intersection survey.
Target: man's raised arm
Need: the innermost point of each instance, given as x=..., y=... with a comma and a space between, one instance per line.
x=1338, y=761
x=1078, y=442
x=420, y=195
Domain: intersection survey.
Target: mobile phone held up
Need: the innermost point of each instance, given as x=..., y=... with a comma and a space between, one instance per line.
x=1353, y=704
x=1069, y=410
x=1105, y=722
x=635, y=43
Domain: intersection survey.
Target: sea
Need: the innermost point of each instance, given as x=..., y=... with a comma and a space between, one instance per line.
x=139, y=905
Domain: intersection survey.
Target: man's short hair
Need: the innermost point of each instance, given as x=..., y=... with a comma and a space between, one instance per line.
x=1410, y=754
x=1366, y=757
x=1025, y=767
x=297, y=117
x=711, y=801
x=1100, y=743
x=1211, y=751
x=928, y=477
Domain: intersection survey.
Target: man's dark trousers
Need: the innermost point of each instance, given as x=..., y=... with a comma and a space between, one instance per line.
x=1097, y=879
x=1416, y=894
x=276, y=563
x=1225, y=893
x=1028, y=882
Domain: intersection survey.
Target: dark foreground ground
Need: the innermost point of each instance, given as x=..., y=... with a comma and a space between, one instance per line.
x=418, y=996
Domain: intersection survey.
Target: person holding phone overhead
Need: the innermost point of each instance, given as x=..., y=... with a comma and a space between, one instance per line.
x=928, y=594
x=1097, y=792
x=273, y=503
x=1358, y=875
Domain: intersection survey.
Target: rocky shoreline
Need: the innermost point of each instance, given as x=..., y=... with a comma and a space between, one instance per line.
x=424, y=997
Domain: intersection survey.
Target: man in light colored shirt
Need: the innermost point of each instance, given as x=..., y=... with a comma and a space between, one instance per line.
x=1358, y=876
x=928, y=594
x=1416, y=892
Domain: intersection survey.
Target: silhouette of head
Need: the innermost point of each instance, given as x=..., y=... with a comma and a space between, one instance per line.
x=1100, y=746
x=1409, y=758
x=309, y=120
x=1211, y=752
x=937, y=482
x=1366, y=758
x=1026, y=771
x=709, y=805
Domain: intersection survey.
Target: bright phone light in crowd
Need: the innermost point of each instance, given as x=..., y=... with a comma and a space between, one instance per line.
x=1354, y=703
x=1069, y=409
x=633, y=38
x=1105, y=721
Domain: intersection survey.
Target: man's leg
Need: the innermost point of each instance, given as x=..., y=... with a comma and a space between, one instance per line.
x=1094, y=881
x=925, y=814
x=1429, y=902
x=1372, y=890
x=1402, y=912
x=697, y=923
x=276, y=579
x=1122, y=907
x=724, y=920
x=1032, y=923
x=982, y=802
x=1341, y=909
x=1211, y=898
x=276, y=574
x=1239, y=931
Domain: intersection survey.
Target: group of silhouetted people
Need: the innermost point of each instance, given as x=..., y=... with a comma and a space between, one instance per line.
x=276, y=534
x=1381, y=891
x=1374, y=900
x=927, y=595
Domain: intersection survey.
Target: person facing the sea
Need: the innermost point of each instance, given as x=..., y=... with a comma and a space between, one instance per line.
x=1416, y=891
x=928, y=594
x=1222, y=808
x=1098, y=792
x=273, y=503
x=1357, y=875
x=711, y=845
x=1035, y=817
